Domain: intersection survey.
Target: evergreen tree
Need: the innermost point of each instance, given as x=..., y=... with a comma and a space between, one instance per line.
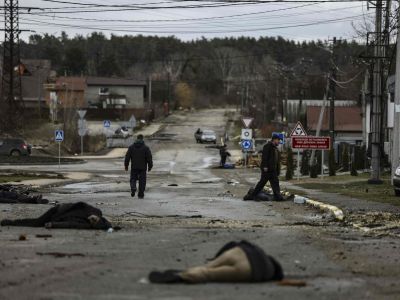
x=305, y=163
x=345, y=159
x=289, y=164
x=332, y=163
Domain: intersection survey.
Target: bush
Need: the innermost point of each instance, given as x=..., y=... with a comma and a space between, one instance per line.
x=332, y=163
x=305, y=163
x=289, y=164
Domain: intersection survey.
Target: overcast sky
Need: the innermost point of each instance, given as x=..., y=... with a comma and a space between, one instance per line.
x=255, y=20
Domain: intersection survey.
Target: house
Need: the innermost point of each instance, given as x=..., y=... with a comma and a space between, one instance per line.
x=296, y=109
x=348, y=123
x=34, y=73
x=103, y=92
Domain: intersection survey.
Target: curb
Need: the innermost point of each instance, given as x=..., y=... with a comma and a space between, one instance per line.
x=335, y=211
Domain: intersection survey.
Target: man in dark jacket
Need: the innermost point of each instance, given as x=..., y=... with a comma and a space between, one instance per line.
x=224, y=154
x=269, y=169
x=139, y=155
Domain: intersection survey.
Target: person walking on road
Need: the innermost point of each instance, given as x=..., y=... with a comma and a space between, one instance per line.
x=224, y=154
x=269, y=170
x=139, y=155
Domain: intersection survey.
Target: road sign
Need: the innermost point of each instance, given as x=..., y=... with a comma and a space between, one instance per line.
x=82, y=123
x=82, y=131
x=298, y=130
x=281, y=135
x=311, y=142
x=59, y=135
x=247, y=134
x=107, y=123
x=132, y=121
x=247, y=145
x=81, y=113
x=247, y=121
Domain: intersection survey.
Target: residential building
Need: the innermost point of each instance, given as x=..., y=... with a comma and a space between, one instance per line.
x=113, y=92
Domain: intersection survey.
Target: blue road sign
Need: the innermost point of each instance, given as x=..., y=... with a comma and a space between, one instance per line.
x=247, y=144
x=282, y=136
x=107, y=123
x=59, y=135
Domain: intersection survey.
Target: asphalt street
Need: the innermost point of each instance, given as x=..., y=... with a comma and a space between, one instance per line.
x=190, y=210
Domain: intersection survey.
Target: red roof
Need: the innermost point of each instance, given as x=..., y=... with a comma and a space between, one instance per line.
x=346, y=118
x=72, y=83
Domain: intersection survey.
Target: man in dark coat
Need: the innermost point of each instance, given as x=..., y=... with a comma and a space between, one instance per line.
x=139, y=155
x=269, y=169
x=224, y=154
x=79, y=215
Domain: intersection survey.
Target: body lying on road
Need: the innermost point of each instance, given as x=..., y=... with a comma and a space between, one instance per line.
x=79, y=215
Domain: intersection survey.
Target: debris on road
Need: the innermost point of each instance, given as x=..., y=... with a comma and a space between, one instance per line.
x=60, y=254
x=44, y=236
x=234, y=262
x=79, y=215
x=22, y=237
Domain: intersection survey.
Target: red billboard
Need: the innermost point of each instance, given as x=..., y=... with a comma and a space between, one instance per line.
x=311, y=142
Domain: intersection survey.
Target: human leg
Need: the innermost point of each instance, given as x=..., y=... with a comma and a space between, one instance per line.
x=142, y=182
x=274, y=180
x=133, y=180
x=260, y=185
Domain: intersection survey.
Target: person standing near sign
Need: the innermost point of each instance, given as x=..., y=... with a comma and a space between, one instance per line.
x=139, y=155
x=270, y=169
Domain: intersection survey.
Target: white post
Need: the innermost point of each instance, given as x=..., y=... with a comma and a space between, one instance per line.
x=396, y=125
x=81, y=145
x=322, y=164
x=298, y=164
x=59, y=155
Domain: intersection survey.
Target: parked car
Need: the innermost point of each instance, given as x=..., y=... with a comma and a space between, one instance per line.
x=123, y=131
x=14, y=147
x=396, y=181
x=207, y=136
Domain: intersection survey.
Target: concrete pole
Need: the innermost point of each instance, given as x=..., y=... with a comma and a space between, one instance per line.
x=364, y=107
x=286, y=98
x=396, y=127
x=376, y=114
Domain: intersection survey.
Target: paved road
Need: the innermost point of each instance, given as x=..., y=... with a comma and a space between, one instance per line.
x=182, y=225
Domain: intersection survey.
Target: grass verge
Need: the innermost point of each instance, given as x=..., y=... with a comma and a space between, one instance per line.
x=383, y=193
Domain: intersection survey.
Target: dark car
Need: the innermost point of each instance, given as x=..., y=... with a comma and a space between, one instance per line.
x=396, y=181
x=14, y=147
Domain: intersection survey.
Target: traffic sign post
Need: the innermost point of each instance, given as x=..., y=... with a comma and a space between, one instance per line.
x=247, y=121
x=107, y=123
x=82, y=127
x=298, y=130
x=247, y=134
x=311, y=142
x=247, y=145
x=59, y=137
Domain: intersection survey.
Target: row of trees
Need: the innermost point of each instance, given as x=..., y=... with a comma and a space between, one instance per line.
x=228, y=70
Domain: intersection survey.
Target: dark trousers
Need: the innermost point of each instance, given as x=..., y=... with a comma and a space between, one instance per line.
x=138, y=175
x=223, y=160
x=272, y=177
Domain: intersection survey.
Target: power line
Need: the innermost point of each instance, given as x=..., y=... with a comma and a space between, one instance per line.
x=194, y=32
x=184, y=19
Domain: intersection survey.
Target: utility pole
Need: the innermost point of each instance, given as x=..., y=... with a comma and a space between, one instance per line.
x=376, y=113
x=396, y=127
x=11, y=102
x=332, y=90
x=286, y=97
